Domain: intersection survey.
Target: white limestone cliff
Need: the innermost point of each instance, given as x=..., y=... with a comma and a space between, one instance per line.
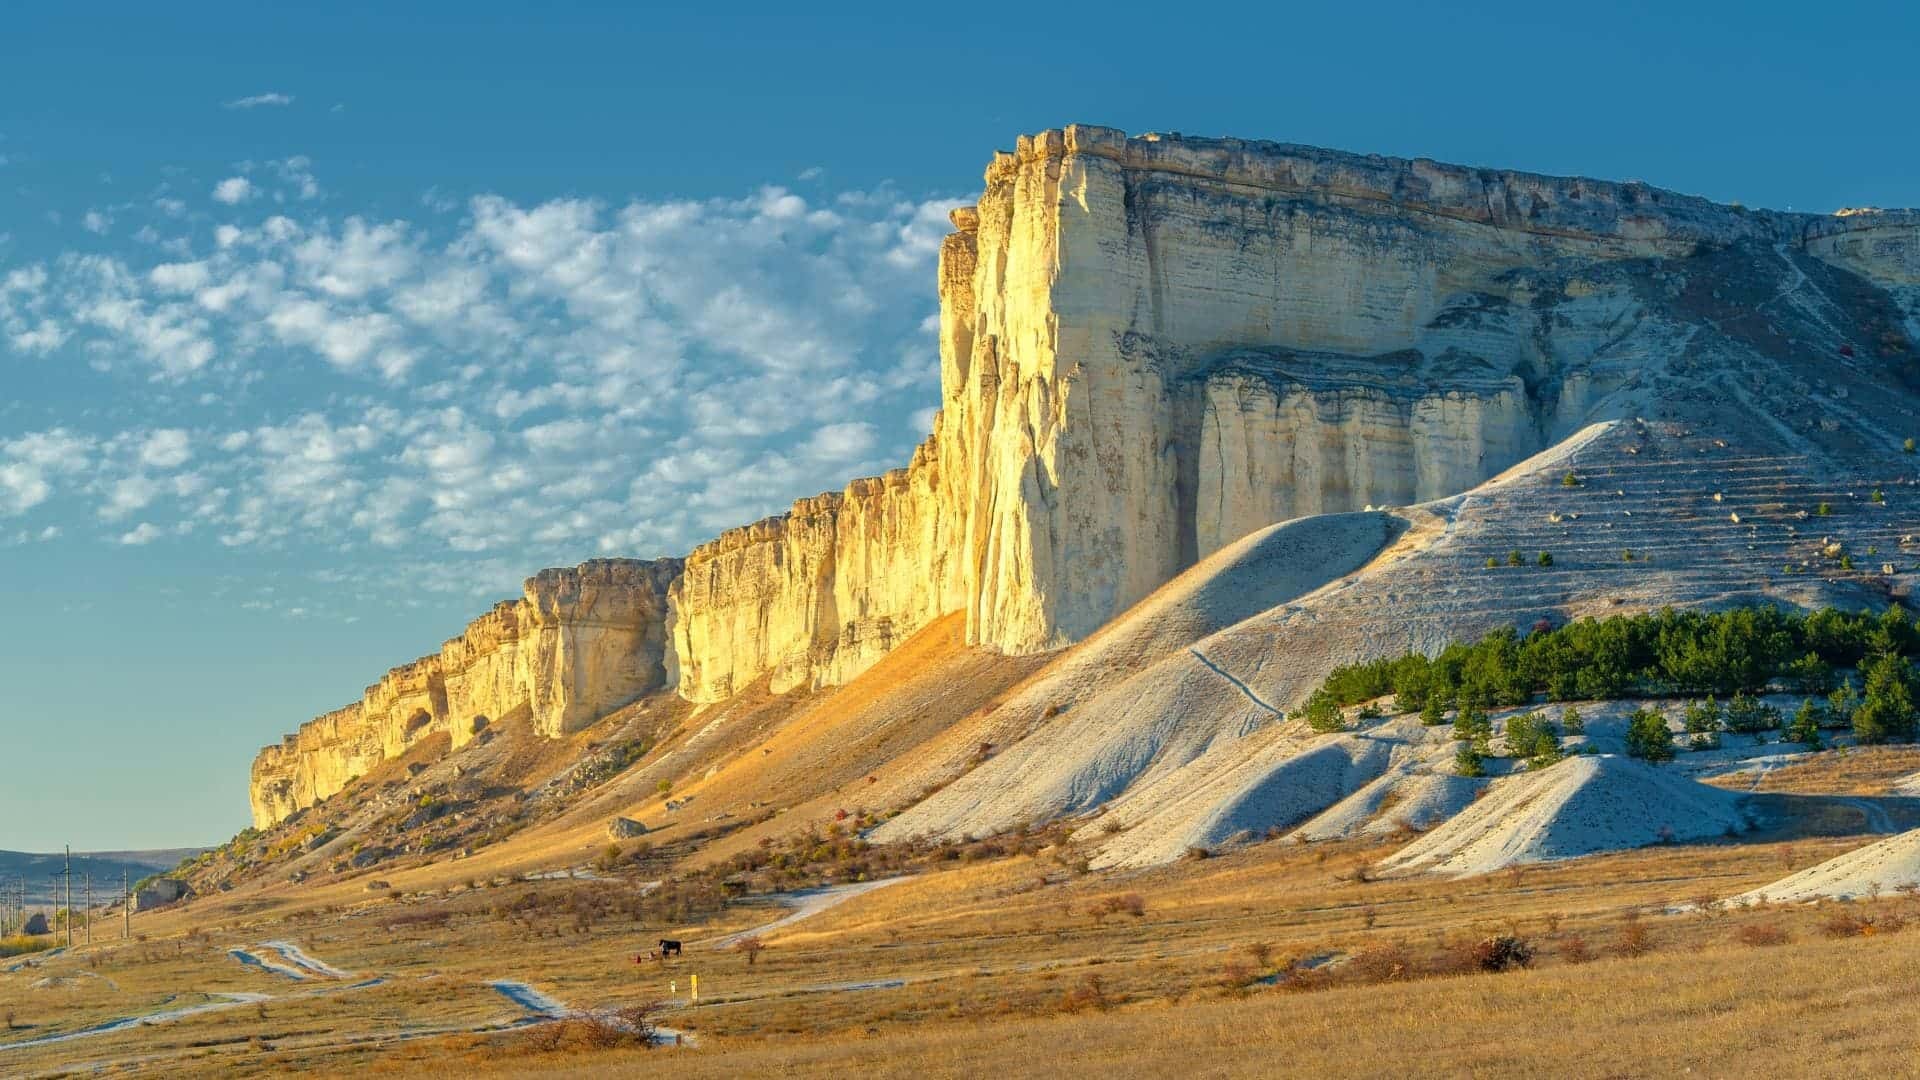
x=1149, y=347
x=581, y=642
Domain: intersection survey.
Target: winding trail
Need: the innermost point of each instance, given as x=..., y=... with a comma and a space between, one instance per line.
x=255, y=960
x=298, y=957
x=806, y=903
x=530, y=999
x=225, y=1001
x=1238, y=685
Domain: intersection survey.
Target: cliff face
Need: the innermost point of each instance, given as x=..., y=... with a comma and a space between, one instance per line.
x=581, y=642
x=817, y=595
x=1149, y=347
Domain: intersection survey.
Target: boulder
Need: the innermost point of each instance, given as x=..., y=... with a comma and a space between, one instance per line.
x=624, y=828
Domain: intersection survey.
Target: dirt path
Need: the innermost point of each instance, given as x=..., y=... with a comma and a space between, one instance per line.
x=294, y=955
x=223, y=1001
x=806, y=903
x=532, y=1000
x=255, y=960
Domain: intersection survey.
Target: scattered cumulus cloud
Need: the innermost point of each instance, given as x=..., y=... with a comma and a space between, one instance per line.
x=495, y=383
x=257, y=101
x=233, y=190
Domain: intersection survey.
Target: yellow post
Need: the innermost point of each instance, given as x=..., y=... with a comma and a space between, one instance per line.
x=696, y=987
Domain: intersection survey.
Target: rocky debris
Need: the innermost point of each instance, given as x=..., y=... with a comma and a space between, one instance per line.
x=377, y=885
x=624, y=828
x=159, y=893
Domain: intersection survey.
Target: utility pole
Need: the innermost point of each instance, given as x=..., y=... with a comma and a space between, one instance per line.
x=68, y=874
x=126, y=908
x=89, y=886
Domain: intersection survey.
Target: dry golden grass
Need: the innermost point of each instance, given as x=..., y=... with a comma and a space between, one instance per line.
x=1869, y=771
x=986, y=954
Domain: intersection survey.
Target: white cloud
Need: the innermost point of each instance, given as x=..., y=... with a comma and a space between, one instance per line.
x=539, y=381
x=168, y=448
x=841, y=442
x=362, y=258
x=256, y=101
x=144, y=533
x=96, y=222
x=179, y=277
x=29, y=465
x=233, y=190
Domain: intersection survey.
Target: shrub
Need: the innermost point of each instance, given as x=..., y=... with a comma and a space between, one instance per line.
x=1514, y=558
x=1124, y=904
x=1805, y=728
x=1501, y=953
x=1626, y=554
x=1572, y=722
x=1381, y=963
x=1090, y=994
x=1823, y=510
x=1532, y=737
x=1762, y=934
x=1468, y=762
x=1907, y=447
x=1492, y=562
x=1322, y=713
x=1634, y=939
x=1546, y=558
x=1648, y=738
x=1844, y=924
x=1572, y=479
x=750, y=947
x=1574, y=950
x=1703, y=724
x=1886, y=708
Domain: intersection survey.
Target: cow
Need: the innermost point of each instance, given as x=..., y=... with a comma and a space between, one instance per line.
x=668, y=948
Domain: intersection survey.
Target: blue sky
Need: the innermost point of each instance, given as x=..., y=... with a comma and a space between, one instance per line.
x=320, y=327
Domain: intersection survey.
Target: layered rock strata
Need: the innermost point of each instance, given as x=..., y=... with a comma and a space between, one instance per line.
x=1149, y=347
x=581, y=642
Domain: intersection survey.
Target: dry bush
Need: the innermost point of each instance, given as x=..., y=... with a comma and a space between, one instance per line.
x=1634, y=939
x=626, y=1027
x=1503, y=952
x=1760, y=934
x=1575, y=950
x=1236, y=975
x=1261, y=953
x=1845, y=924
x=1090, y=994
x=1382, y=963
x=1122, y=904
x=751, y=947
x=428, y=919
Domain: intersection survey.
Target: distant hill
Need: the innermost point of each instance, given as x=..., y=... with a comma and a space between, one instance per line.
x=105, y=866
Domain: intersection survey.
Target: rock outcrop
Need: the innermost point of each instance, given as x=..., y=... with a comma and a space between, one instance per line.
x=581, y=642
x=1149, y=347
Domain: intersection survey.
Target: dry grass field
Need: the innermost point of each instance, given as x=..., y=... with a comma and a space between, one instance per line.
x=1283, y=959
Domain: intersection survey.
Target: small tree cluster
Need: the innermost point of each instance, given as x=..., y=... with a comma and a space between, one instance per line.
x=1648, y=737
x=1533, y=738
